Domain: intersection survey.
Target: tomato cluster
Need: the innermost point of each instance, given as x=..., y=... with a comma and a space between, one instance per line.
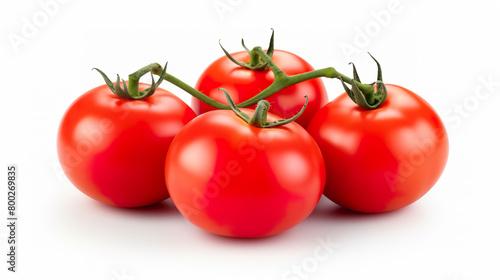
x=247, y=173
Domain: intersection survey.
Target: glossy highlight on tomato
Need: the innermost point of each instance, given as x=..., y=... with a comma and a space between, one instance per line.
x=233, y=179
x=383, y=159
x=113, y=150
x=244, y=83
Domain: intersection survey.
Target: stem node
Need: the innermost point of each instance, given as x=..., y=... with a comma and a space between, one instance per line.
x=259, y=118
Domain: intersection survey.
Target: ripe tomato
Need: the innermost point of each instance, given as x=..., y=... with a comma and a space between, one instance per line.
x=383, y=159
x=232, y=179
x=244, y=84
x=113, y=149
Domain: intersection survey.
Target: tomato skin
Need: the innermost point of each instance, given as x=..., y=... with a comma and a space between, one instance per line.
x=232, y=179
x=113, y=150
x=242, y=84
x=384, y=159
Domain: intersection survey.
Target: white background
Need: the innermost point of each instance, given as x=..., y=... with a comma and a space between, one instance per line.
x=441, y=50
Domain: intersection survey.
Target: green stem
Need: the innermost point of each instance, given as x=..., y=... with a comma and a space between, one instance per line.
x=254, y=58
x=330, y=72
x=194, y=92
x=259, y=118
x=278, y=73
x=133, y=79
x=281, y=80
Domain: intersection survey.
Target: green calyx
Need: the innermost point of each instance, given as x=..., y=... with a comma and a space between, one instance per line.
x=259, y=118
x=366, y=99
x=131, y=92
x=257, y=62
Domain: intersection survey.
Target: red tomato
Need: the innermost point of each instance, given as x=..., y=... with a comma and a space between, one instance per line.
x=383, y=159
x=244, y=83
x=113, y=149
x=233, y=179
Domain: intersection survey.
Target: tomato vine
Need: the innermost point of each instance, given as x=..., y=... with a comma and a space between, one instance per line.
x=365, y=95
